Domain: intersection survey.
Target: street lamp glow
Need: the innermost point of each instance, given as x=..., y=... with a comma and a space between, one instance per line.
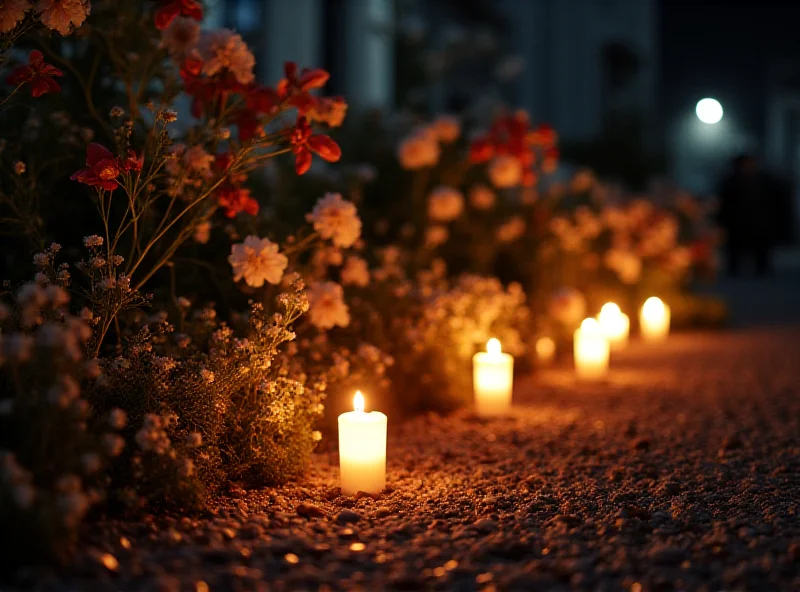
x=709, y=111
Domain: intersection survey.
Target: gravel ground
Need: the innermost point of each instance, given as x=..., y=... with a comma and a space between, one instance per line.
x=681, y=472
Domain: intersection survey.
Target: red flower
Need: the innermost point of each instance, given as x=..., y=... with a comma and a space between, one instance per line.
x=222, y=164
x=235, y=200
x=481, y=150
x=38, y=73
x=294, y=88
x=544, y=135
x=170, y=9
x=102, y=168
x=132, y=162
x=262, y=99
x=259, y=100
x=304, y=143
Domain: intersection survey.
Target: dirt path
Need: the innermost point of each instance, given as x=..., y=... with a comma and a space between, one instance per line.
x=681, y=472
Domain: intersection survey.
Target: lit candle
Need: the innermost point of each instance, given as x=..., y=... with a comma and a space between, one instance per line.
x=654, y=319
x=362, y=449
x=545, y=350
x=591, y=350
x=615, y=324
x=493, y=379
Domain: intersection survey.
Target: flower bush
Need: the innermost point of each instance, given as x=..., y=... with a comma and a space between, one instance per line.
x=222, y=291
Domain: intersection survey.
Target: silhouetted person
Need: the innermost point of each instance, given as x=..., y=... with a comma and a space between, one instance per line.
x=747, y=213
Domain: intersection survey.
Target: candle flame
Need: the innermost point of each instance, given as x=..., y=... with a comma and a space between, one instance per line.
x=358, y=402
x=653, y=308
x=493, y=346
x=610, y=309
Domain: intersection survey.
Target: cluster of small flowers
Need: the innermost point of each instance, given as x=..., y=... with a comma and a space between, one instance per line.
x=17, y=481
x=472, y=310
x=152, y=436
x=514, y=150
x=631, y=237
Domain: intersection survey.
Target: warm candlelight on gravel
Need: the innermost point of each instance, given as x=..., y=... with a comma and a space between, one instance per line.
x=493, y=379
x=615, y=324
x=545, y=350
x=591, y=350
x=654, y=319
x=362, y=449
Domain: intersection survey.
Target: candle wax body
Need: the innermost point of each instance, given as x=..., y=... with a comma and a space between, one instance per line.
x=655, y=328
x=493, y=382
x=591, y=354
x=362, y=452
x=617, y=329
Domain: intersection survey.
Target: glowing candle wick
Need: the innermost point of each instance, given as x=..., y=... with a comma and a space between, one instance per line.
x=493, y=347
x=358, y=402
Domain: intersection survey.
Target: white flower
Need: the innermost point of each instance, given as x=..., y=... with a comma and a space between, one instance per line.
x=505, y=171
x=328, y=255
x=327, y=308
x=355, y=272
x=257, y=260
x=62, y=15
x=222, y=49
x=447, y=128
x=417, y=151
x=445, y=204
x=511, y=230
x=336, y=219
x=436, y=235
x=180, y=36
x=481, y=197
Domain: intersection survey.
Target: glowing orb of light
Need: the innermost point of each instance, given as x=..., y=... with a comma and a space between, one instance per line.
x=709, y=111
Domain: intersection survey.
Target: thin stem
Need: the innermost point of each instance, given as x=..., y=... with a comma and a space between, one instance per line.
x=13, y=92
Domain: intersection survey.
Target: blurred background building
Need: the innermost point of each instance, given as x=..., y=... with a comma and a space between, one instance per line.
x=618, y=79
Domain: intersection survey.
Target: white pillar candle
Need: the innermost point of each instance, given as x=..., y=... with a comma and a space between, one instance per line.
x=615, y=324
x=362, y=449
x=545, y=350
x=493, y=379
x=591, y=350
x=654, y=319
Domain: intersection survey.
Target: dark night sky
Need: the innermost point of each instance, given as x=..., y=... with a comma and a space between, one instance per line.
x=723, y=48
